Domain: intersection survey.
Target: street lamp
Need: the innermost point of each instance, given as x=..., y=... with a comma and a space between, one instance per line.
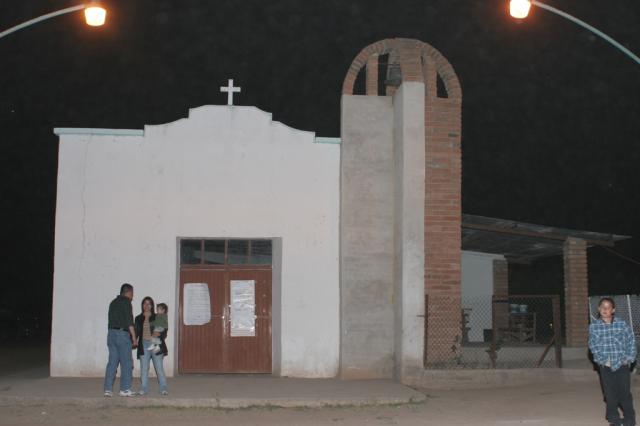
x=94, y=16
x=520, y=9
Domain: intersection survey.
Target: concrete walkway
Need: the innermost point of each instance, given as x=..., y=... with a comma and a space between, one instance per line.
x=226, y=391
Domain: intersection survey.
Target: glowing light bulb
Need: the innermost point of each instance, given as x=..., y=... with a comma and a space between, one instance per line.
x=519, y=8
x=95, y=15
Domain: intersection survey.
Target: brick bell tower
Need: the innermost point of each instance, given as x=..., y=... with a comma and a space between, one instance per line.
x=400, y=236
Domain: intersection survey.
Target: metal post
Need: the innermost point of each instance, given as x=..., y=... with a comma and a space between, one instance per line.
x=426, y=330
x=592, y=315
x=41, y=18
x=630, y=314
x=588, y=27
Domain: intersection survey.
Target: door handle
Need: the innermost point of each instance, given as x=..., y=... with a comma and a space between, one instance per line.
x=224, y=313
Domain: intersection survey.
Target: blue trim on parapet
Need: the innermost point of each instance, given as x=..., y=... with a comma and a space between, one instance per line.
x=331, y=141
x=135, y=132
x=101, y=132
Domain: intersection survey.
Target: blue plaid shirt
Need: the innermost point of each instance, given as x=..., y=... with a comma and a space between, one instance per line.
x=612, y=344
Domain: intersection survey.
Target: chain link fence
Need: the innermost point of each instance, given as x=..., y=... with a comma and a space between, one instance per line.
x=516, y=331
x=627, y=308
x=504, y=332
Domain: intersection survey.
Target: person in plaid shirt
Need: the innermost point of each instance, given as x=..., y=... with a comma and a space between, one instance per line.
x=613, y=346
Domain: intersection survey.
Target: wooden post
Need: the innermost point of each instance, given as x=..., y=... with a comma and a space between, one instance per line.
x=493, y=351
x=557, y=330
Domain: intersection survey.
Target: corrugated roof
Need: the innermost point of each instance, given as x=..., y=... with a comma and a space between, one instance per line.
x=524, y=242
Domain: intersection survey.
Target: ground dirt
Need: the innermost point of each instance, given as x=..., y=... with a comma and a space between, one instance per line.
x=558, y=405
x=552, y=404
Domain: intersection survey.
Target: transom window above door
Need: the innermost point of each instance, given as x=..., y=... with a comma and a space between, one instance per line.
x=230, y=251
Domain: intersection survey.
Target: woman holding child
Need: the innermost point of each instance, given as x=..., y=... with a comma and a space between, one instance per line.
x=151, y=329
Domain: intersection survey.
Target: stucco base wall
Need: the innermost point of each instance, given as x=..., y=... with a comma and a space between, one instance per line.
x=382, y=234
x=409, y=228
x=366, y=238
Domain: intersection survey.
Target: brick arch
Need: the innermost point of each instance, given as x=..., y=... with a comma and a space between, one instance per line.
x=409, y=67
x=381, y=47
x=444, y=69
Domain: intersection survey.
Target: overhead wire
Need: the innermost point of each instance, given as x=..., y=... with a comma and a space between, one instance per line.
x=622, y=256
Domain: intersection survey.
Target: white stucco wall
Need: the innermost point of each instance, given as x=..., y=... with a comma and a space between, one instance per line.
x=477, y=289
x=224, y=172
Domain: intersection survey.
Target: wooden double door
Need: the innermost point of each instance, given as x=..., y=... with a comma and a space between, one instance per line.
x=231, y=331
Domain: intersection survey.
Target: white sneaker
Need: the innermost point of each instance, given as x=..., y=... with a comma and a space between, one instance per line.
x=108, y=394
x=164, y=393
x=127, y=392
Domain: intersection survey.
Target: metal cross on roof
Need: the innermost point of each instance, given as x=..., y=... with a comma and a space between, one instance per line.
x=230, y=89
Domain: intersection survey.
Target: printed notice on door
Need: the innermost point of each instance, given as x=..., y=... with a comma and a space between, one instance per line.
x=243, y=308
x=197, y=305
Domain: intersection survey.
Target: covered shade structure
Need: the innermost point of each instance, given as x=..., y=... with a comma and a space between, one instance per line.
x=521, y=242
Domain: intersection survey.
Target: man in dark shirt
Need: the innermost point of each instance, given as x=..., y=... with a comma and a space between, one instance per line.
x=121, y=339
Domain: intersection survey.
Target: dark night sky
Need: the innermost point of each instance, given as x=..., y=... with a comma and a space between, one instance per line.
x=551, y=114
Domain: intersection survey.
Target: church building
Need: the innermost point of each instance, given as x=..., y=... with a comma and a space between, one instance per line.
x=281, y=252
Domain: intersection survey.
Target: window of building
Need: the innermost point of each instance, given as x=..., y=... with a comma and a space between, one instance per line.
x=231, y=251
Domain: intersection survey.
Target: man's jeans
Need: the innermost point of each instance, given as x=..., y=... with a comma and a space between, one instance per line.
x=119, y=344
x=157, y=365
x=617, y=392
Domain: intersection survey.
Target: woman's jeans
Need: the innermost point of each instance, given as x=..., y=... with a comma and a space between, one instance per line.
x=119, y=344
x=157, y=365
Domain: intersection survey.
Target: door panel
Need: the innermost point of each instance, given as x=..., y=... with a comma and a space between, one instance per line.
x=253, y=354
x=201, y=345
x=209, y=348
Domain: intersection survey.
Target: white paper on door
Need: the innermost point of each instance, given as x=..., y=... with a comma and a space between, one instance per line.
x=243, y=308
x=196, y=304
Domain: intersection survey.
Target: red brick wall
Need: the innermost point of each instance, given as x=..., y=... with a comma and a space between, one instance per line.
x=443, y=210
x=501, y=291
x=500, y=278
x=576, y=292
x=442, y=227
x=372, y=76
